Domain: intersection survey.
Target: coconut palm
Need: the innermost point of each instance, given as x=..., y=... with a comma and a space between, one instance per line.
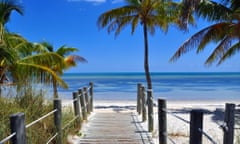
x=6, y=7
x=17, y=56
x=224, y=32
x=64, y=52
x=151, y=14
x=27, y=65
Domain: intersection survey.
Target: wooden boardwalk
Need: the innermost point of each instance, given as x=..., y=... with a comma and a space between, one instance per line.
x=115, y=127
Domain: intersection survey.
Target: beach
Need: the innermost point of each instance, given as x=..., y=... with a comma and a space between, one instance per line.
x=177, y=129
x=117, y=92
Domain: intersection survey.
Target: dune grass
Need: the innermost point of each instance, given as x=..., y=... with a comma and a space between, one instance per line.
x=34, y=105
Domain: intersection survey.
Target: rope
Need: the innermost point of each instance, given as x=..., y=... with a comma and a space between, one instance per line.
x=207, y=136
x=70, y=122
x=172, y=141
x=41, y=118
x=178, y=117
x=8, y=138
x=51, y=138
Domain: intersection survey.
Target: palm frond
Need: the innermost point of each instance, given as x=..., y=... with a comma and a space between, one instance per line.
x=135, y=21
x=46, y=59
x=64, y=50
x=72, y=60
x=39, y=48
x=219, y=50
x=116, y=19
x=192, y=43
x=215, y=33
x=231, y=51
x=6, y=7
x=31, y=69
x=47, y=45
x=213, y=11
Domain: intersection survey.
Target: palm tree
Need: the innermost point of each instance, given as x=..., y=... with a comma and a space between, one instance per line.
x=17, y=57
x=27, y=66
x=224, y=32
x=68, y=60
x=6, y=7
x=151, y=14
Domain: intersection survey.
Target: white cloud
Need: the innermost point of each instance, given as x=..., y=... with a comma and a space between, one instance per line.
x=90, y=1
x=117, y=1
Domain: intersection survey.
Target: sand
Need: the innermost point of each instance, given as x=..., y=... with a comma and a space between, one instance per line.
x=177, y=129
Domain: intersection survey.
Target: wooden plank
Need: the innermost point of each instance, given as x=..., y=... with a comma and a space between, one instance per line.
x=114, y=128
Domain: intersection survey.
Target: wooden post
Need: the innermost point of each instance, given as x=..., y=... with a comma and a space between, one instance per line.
x=162, y=121
x=17, y=124
x=150, y=110
x=76, y=106
x=144, y=110
x=91, y=96
x=83, y=105
x=85, y=89
x=228, y=136
x=196, y=123
x=139, y=110
x=58, y=119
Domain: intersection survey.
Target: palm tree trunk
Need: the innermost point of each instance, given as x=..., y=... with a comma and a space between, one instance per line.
x=55, y=94
x=146, y=63
x=1, y=33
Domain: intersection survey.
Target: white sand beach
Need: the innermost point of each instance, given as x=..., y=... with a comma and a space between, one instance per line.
x=177, y=129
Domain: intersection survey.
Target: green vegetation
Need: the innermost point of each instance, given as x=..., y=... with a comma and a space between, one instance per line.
x=24, y=65
x=68, y=60
x=224, y=31
x=34, y=106
x=151, y=14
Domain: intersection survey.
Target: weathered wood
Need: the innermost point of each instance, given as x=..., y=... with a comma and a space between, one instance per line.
x=114, y=128
x=196, y=123
x=17, y=124
x=150, y=110
x=91, y=96
x=76, y=106
x=139, y=105
x=87, y=103
x=229, y=119
x=144, y=109
x=58, y=119
x=162, y=121
x=83, y=105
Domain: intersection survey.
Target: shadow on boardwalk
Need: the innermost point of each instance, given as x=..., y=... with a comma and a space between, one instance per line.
x=114, y=125
x=117, y=108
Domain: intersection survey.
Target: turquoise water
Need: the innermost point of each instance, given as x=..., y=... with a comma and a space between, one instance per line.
x=172, y=86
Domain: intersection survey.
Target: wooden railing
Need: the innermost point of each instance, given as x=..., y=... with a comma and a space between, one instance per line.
x=83, y=106
x=196, y=120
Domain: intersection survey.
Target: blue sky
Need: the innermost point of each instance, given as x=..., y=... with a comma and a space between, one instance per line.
x=73, y=23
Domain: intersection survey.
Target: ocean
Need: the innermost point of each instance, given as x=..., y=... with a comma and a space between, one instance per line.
x=172, y=86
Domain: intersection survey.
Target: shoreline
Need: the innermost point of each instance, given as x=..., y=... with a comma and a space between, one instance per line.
x=169, y=102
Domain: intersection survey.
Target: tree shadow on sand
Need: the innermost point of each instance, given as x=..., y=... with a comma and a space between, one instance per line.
x=117, y=108
x=217, y=114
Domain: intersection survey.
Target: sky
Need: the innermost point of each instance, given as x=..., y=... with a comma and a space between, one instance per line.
x=74, y=23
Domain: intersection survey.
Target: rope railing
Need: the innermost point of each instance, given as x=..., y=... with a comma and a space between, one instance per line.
x=195, y=123
x=18, y=120
x=69, y=123
x=207, y=136
x=176, y=116
x=52, y=138
x=8, y=138
x=171, y=140
x=41, y=118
